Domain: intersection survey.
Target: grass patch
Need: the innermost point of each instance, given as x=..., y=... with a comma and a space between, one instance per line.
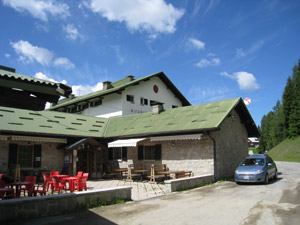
x=254, y=150
x=288, y=150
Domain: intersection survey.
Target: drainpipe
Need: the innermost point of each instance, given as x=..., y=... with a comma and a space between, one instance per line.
x=215, y=156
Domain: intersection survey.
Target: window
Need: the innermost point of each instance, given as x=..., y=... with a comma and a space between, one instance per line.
x=130, y=98
x=25, y=155
x=117, y=154
x=152, y=103
x=144, y=101
x=149, y=152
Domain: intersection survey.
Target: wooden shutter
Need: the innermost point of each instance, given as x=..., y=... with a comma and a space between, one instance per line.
x=37, y=156
x=140, y=152
x=13, y=154
x=158, y=152
x=124, y=153
x=110, y=154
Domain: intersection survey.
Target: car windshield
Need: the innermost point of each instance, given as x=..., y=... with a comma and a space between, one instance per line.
x=253, y=162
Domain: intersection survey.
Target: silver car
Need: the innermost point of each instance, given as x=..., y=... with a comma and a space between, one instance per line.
x=256, y=168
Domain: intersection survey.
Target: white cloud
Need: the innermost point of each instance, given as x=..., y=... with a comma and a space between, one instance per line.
x=199, y=45
x=79, y=90
x=63, y=62
x=246, y=81
x=72, y=32
x=240, y=53
x=29, y=53
x=210, y=60
x=40, y=9
x=208, y=93
x=7, y=55
x=154, y=16
x=42, y=76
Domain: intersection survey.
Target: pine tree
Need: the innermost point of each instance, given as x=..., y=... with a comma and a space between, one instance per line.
x=287, y=101
x=294, y=118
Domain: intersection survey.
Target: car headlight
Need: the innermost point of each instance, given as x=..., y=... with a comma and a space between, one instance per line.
x=259, y=171
x=236, y=171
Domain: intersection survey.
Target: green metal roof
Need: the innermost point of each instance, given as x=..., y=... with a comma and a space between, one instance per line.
x=48, y=123
x=189, y=119
x=15, y=80
x=120, y=86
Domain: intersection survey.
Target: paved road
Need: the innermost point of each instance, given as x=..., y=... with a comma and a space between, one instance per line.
x=221, y=203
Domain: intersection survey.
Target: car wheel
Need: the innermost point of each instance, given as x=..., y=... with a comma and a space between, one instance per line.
x=237, y=182
x=266, y=181
x=276, y=175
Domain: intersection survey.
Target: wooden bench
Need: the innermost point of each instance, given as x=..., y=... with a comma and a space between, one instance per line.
x=132, y=171
x=183, y=174
x=157, y=168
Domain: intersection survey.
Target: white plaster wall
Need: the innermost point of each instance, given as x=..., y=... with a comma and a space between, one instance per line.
x=145, y=90
x=111, y=106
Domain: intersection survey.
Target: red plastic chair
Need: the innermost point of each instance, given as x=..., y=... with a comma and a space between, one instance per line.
x=57, y=186
x=79, y=174
x=53, y=173
x=81, y=183
x=42, y=191
x=48, y=180
x=28, y=187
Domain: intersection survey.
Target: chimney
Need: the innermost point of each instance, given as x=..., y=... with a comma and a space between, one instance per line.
x=131, y=78
x=107, y=85
x=9, y=69
x=157, y=109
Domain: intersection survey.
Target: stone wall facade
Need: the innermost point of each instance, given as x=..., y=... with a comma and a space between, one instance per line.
x=190, y=155
x=231, y=145
x=51, y=157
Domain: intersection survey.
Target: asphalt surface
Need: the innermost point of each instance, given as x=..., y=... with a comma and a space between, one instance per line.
x=220, y=203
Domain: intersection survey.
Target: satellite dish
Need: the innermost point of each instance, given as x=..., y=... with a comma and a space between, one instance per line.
x=247, y=101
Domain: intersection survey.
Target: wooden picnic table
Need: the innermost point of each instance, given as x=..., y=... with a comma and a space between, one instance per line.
x=121, y=171
x=137, y=171
x=178, y=174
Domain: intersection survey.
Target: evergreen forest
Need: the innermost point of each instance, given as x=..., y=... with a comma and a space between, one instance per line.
x=284, y=119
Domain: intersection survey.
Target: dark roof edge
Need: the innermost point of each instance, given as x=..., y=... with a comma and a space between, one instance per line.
x=156, y=134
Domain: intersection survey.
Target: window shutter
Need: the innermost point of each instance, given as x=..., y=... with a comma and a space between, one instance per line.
x=158, y=152
x=110, y=154
x=37, y=156
x=124, y=154
x=13, y=154
x=140, y=152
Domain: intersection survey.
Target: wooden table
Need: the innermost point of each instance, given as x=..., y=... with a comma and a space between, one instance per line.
x=177, y=173
x=4, y=193
x=140, y=171
x=121, y=171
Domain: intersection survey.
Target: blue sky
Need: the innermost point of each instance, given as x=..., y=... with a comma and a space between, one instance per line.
x=211, y=50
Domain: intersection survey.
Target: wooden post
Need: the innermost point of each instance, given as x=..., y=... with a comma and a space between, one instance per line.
x=74, y=162
x=17, y=173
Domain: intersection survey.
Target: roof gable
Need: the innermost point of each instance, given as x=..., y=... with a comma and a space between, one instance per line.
x=120, y=86
x=180, y=120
